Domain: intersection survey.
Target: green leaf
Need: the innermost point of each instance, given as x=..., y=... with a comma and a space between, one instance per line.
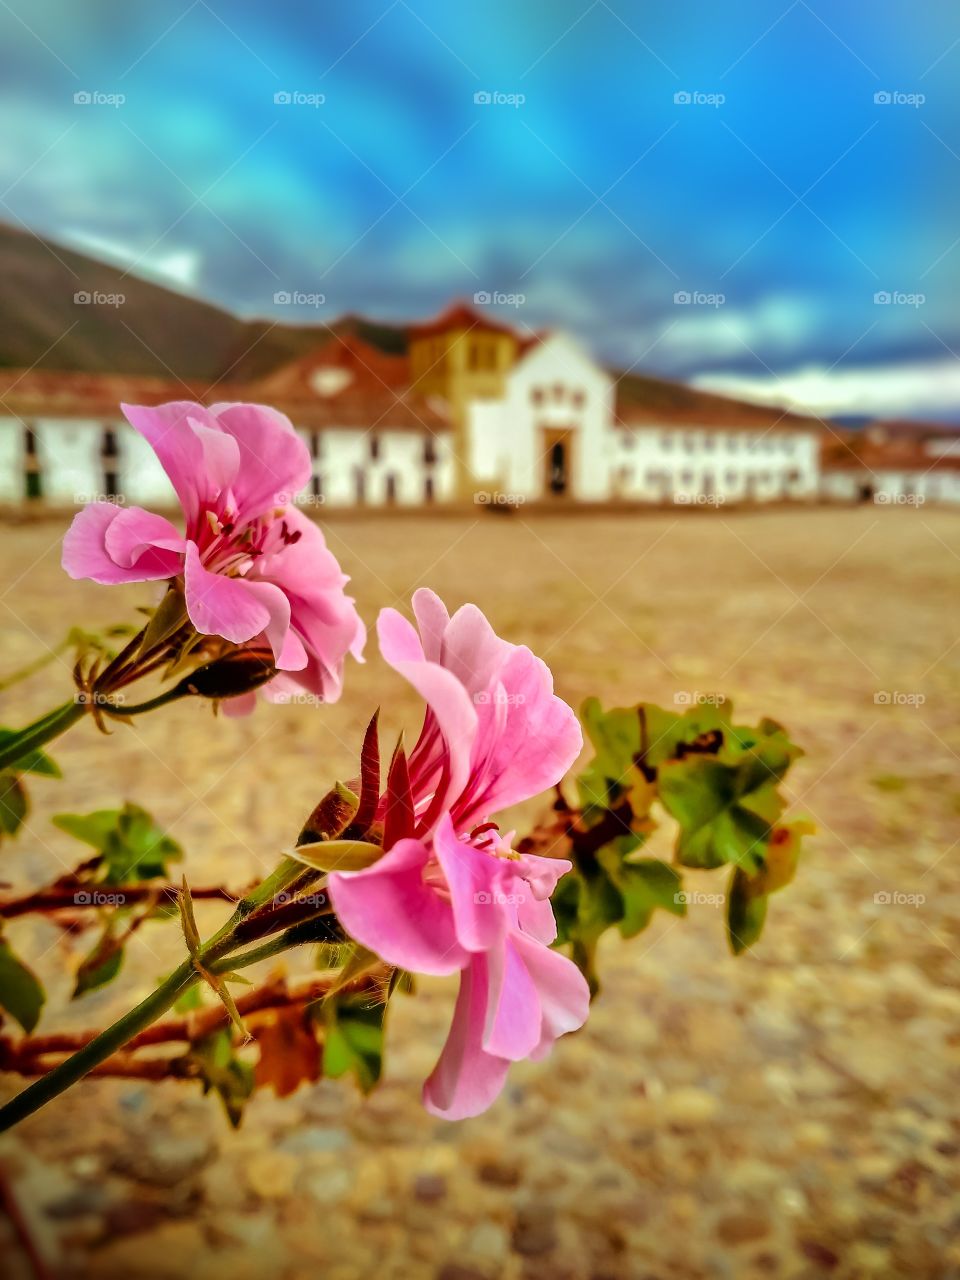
x=643, y=885
x=133, y=847
x=101, y=966
x=745, y=913
x=726, y=804
x=222, y=1071
x=34, y=761
x=21, y=994
x=353, y=1039
x=13, y=804
x=748, y=895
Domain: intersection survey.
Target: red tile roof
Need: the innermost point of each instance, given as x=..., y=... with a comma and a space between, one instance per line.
x=458, y=316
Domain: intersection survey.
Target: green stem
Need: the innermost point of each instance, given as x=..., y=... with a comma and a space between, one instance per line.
x=156, y=1004
x=41, y=732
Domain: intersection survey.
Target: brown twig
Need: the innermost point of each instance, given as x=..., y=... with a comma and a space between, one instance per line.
x=80, y=896
x=30, y=1055
x=8, y=1201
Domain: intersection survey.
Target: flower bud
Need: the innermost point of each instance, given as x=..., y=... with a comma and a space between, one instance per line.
x=238, y=671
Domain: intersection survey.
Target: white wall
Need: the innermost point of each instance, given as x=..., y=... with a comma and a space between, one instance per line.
x=697, y=464
x=556, y=385
x=11, y=460
x=344, y=454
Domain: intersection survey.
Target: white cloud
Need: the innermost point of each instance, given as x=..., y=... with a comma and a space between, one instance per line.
x=916, y=389
x=175, y=266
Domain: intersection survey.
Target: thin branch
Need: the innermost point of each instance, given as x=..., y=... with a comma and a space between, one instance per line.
x=79, y=897
x=28, y=1056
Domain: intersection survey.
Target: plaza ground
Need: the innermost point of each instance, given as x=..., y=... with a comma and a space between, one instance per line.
x=791, y=1113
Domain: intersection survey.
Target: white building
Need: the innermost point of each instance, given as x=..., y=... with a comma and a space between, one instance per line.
x=471, y=412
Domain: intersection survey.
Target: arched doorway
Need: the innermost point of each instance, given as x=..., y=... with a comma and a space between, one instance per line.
x=557, y=462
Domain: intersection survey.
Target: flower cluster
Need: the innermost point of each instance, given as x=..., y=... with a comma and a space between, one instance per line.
x=253, y=567
x=450, y=895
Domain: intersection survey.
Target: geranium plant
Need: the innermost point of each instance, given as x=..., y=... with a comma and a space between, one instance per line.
x=401, y=872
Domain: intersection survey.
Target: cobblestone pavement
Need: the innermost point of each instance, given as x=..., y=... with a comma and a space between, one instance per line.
x=792, y=1113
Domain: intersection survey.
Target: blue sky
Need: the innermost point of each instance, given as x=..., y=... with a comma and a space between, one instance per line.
x=782, y=198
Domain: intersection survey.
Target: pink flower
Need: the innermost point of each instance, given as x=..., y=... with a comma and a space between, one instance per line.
x=450, y=895
x=252, y=565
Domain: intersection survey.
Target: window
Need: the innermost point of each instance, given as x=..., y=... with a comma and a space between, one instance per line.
x=30, y=442
x=109, y=447
x=316, y=444
x=391, y=489
x=686, y=477
x=429, y=451
x=429, y=492
x=666, y=441
x=733, y=442
x=558, y=391
x=709, y=441
x=360, y=486
x=374, y=448
x=578, y=399
x=689, y=442
x=536, y=395
x=629, y=439
x=316, y=487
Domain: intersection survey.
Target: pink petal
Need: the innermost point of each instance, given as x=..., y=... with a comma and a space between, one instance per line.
x=542, y=874
x=390, y=909
x=85, y=553
x=442, y=691
x=324, y=618
x=535, y=916
x=232, y=607
x=561, y=987
x=274, y=462
x=168, y=430
x=135, y=531
x=530, y=747
x=466, y=1080
x=473, y=880
x=432, y=619
x=472, y=650
x=221, y=455
x=242, y=705
x=513, y=1022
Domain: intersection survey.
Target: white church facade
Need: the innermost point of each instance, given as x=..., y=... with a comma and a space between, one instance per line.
x=472, y=412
